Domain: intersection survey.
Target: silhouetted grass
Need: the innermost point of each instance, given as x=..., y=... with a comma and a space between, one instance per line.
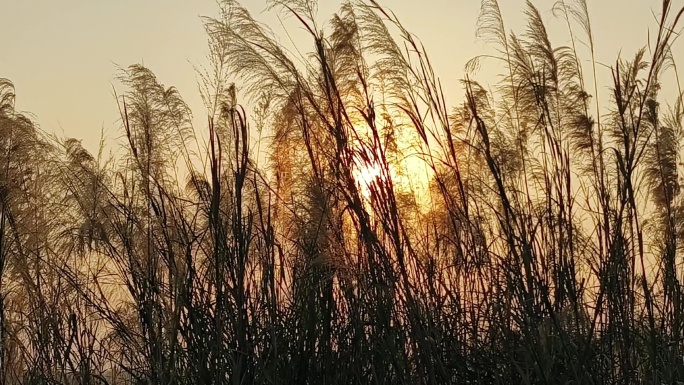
x=548, y=249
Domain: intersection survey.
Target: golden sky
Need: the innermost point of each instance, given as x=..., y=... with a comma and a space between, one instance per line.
x=62, y=55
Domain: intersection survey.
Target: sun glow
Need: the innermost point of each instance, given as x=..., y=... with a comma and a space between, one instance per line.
x=366, y=175
x=397, y=160
x=410, y=177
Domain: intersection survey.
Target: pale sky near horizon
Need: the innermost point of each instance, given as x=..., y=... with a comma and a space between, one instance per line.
x=62, y=55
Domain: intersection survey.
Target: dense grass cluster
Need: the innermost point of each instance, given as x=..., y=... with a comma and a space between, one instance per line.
x=546, y=250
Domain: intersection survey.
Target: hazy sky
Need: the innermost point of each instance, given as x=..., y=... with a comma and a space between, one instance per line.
x=62, y=54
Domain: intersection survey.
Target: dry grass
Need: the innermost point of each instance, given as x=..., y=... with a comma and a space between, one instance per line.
x=549, y=253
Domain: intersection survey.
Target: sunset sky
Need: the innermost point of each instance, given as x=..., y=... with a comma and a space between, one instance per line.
x=62, y=55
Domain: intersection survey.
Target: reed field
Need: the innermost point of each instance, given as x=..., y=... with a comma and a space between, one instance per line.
x=334, y=220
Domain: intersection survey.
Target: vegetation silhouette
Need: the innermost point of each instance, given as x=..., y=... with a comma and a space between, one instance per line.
x=548, y=252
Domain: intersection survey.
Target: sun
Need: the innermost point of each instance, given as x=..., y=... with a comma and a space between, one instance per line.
x=402, y=167
x=366, y=175
x=410, y=175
